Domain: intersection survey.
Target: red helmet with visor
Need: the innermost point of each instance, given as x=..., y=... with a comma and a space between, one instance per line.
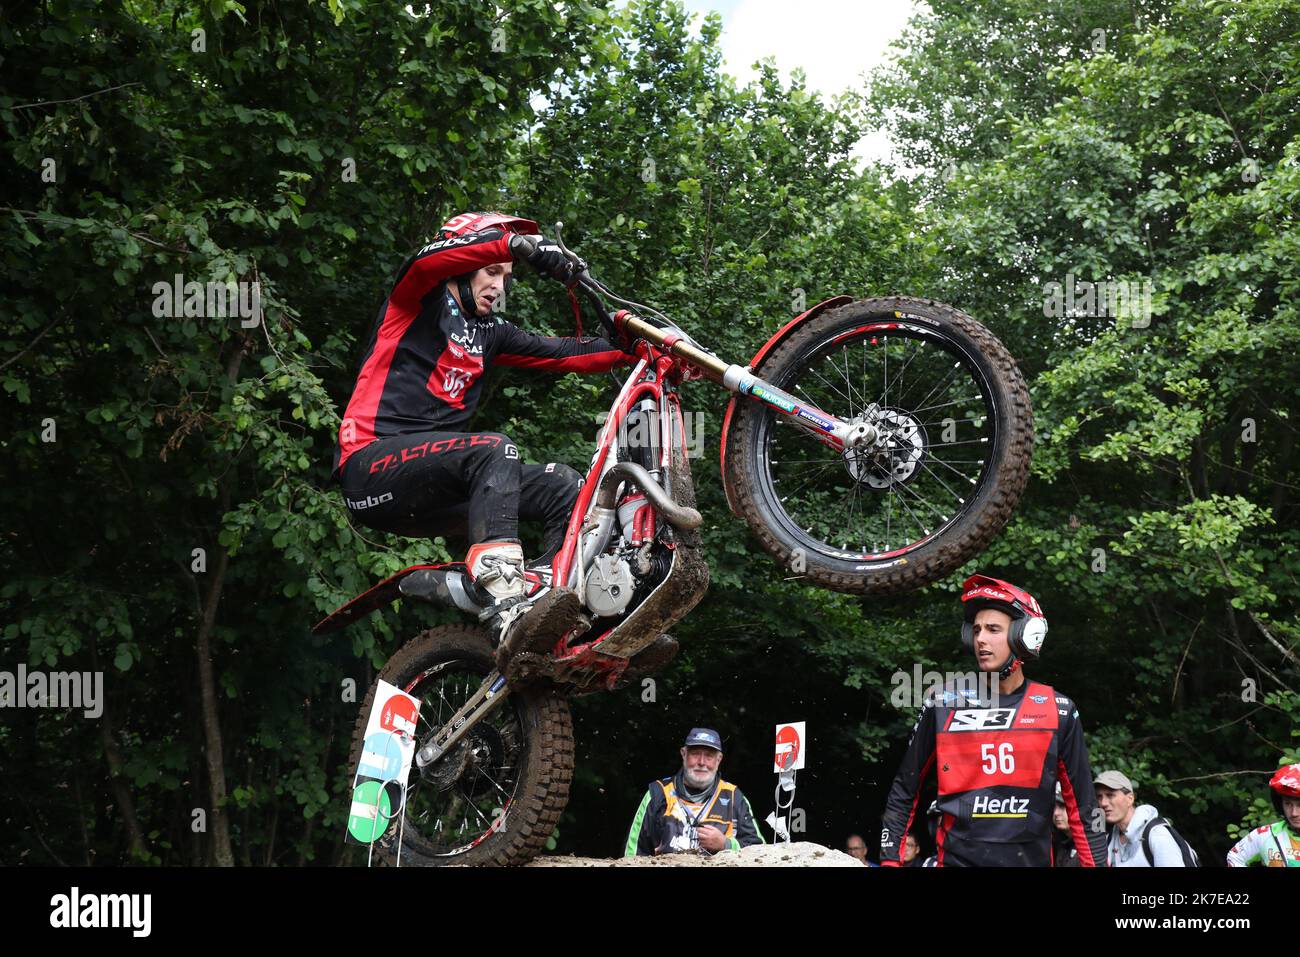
x=1285, y=782
x=465, y=224
x=1028, y=623
x=462, y=224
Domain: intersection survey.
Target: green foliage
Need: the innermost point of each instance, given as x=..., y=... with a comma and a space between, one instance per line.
x=311, y=147
x=1158, y=534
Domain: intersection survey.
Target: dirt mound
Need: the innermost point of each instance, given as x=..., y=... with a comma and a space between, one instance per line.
x=799, y=854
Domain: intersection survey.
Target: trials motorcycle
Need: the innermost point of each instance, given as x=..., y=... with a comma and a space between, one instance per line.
x=873, y=446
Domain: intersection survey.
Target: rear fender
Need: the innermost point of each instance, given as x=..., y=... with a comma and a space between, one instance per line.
x=781, y=335
x=386, y=592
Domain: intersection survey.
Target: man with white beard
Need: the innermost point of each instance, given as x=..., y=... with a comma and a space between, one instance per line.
x=694, y=810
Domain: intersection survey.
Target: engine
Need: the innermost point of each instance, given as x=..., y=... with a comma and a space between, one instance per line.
x=610, y=586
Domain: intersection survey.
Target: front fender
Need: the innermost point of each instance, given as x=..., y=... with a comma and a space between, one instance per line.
x=781, y=335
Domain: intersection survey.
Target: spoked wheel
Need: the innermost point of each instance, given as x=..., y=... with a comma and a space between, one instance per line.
x=955, y=438
x=497, y=795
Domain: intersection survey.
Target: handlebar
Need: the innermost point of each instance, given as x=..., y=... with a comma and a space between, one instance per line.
x=596, y=292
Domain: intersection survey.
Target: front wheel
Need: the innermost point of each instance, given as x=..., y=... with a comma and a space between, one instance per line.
x=955, y=439
x=495, y=797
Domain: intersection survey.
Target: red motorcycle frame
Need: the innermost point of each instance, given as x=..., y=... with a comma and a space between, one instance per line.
x=632, y=552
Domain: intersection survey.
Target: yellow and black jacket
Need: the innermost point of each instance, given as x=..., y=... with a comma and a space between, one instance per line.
x=666, y=820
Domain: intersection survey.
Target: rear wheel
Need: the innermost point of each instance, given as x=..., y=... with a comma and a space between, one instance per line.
x=495, y=797
x=956, y=437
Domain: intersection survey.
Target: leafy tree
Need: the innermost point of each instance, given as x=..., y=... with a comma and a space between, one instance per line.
x=170, y=516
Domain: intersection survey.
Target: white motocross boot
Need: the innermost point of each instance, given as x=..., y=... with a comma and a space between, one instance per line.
x=497, y=568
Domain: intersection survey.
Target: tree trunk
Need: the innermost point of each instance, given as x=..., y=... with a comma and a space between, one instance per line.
x=275, y=814
x=121, y=793
x=219, y=823
x=81, y=816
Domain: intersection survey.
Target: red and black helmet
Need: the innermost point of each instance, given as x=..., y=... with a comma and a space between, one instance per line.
x=462, y=224
x=465, y=224
x=1285, y=782
x=1028, y=623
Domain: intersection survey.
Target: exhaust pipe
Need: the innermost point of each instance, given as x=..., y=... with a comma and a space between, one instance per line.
x=683, y=519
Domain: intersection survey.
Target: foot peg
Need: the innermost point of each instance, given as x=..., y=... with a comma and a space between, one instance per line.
x=541, y=625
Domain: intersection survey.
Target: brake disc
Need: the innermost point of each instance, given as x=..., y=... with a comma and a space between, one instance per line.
x=472, y=763
x=895, y=457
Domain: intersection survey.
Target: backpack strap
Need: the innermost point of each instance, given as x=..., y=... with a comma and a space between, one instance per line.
x=1189, y=856
x=1146, y=839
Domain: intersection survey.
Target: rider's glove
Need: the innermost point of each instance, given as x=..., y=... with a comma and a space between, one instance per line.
x=544, y=255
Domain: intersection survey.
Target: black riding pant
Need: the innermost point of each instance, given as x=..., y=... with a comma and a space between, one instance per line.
x=454, y=484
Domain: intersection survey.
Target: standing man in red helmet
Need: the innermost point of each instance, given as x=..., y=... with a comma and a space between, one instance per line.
x=406, y=459
x=998, y=761
x=1276, y=844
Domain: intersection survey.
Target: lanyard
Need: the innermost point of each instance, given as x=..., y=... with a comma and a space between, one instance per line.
x=1288, y=853
x=704, y=806
x=693, y=823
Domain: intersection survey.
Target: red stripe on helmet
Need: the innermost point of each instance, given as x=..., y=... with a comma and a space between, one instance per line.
x=464, y=223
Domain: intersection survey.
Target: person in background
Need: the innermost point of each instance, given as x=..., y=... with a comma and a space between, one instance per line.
x=856, y=848
x=998, y=756
x=694, y=810
x=1139, y=837
x=1276, y=844
x=911, y=851
x=1063, y=850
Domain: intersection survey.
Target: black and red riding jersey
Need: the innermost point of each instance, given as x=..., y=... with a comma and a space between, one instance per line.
x=997, y=770
x=423, y=367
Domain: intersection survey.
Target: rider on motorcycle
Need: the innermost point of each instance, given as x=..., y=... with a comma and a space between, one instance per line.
x=1276, y=844
x=997, y=762
x=405, y=458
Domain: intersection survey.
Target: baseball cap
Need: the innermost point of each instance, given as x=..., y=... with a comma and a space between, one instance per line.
x=1114, y=779
x=704, y=738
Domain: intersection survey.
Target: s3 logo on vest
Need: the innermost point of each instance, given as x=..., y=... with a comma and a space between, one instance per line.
x=976, y=719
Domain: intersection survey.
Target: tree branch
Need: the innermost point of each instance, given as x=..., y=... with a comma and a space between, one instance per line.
x=120, y=86
x=39, y=336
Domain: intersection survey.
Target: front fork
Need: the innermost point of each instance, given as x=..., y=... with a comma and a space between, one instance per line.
x=826, y=428
x=485, y=700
